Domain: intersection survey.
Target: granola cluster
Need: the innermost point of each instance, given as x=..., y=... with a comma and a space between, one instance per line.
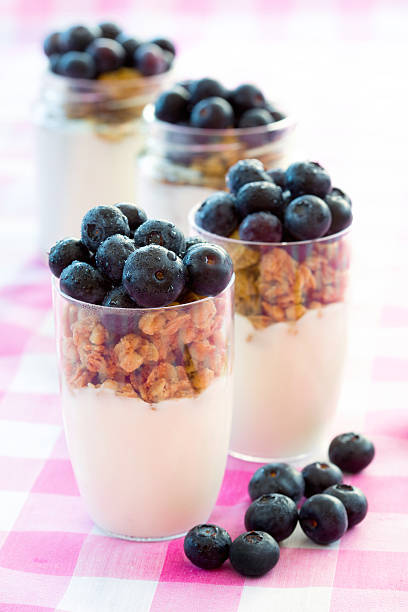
x=169, y=353
x=279, y=284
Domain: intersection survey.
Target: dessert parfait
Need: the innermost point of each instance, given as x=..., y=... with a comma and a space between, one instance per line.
x=144, y=333
x=88, y=127
x=196, y=131
x=288, y=235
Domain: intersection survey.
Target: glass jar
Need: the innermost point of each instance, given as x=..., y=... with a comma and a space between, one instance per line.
x=182, y=164
x=290, y=339
x=88, y=133
x=147, y=405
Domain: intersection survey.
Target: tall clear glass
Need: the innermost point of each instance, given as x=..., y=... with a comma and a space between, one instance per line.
x=290, y=342
x=182, y=164
x=147, y=405
x=88, y=134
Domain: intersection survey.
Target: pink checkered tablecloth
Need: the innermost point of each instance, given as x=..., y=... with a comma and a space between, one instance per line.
x=342, y=66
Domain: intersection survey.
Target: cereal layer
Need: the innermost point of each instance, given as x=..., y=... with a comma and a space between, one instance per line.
x=276, y=284
x=154, y=356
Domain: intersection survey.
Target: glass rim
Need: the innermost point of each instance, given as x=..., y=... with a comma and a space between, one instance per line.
x=137, y=309
x=100, y=85
x=249, y=243
x=288, y=122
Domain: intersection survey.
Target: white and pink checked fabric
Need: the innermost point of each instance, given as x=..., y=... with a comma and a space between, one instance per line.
x=342, y=66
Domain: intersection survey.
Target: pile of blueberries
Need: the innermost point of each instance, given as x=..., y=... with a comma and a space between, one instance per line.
x=85, y=52
x=276, y=205
x=125, y=260
x=330, y=509
x=206, y=103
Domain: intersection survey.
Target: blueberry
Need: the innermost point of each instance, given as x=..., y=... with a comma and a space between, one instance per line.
x=130, y=45
x=150, y=59
x=108, y=54
x=110, y=29
x=82, y=282
x=307, y=217
x=212, y=113
x=353, y=499
x=111, y=256
x=165, y=44
x=323, y=518
x=51, y=44
x=77, y=65
x=245, y=171
x=154, y=276
x=218, y=214
x=193, y=240
x=254, y=553
x=206, y=88
x=274, y=513
x=338, y=192
x=351, y=452
x=308, y=178
x=255, y=117
x=260, y=196
x=54, y=63
x=318, y=476
x=64, y=252
x=207, y=546
x=77, y=38
x=277, y=478
x=261, y=227
x=135, y=215
x=119, y=323
x=246, y=97
x=171, y=105
x=163, y=233
x=341, y=213
x=118, y=298
x=278, y=176
x=101, y=222
x=209, y=268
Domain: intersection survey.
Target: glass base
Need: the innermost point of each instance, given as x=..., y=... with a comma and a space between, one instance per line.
x=122, y=536
x=292, y=459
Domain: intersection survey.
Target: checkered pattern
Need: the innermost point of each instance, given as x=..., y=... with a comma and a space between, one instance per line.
x=351, y=98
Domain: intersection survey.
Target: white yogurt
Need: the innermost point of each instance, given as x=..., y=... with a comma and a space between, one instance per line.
x=77, y=168
x=148, y=471
x=287, y=383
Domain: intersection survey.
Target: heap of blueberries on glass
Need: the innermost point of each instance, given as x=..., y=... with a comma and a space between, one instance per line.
x=276, y=205
x=86, y=52
x=125, y=260
x=206, y=103
x=275, y=489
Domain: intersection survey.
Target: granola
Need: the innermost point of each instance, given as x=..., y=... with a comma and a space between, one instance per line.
x=210, y=167
x=278, y=284
x=113, y=101
x=156, y=356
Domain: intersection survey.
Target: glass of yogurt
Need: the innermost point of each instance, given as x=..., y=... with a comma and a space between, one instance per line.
x=290, y=322
x=88, y=121
x=182, y=164
x=147, y=405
